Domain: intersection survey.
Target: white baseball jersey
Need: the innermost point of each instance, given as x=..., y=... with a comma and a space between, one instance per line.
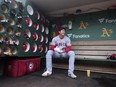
x=61, y=43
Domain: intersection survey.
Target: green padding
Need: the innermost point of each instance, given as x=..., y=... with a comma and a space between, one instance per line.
x=90, y=27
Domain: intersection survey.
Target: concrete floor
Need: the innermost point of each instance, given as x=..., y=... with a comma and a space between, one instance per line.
x=59, y=78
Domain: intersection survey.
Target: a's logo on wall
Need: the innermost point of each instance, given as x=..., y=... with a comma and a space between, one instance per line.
x=106, y=32
x=83, y=25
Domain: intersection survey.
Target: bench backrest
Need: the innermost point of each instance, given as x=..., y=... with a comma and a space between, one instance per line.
x=94, y=49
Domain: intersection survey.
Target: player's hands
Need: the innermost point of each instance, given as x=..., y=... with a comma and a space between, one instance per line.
x=61, y=51
x=57, y=49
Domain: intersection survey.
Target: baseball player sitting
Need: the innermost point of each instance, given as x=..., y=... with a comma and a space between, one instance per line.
x=60, y=47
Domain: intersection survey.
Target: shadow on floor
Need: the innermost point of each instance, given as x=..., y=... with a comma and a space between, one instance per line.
x=59, y=78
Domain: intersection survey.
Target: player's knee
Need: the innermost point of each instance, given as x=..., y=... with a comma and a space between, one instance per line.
x=71, y=53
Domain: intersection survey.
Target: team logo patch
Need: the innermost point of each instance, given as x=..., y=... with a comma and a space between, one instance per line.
x=31, y=65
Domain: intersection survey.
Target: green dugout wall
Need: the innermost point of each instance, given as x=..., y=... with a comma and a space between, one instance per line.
x=88, y=27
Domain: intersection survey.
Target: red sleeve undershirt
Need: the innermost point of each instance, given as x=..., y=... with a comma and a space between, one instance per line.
x=52, y=47
x=68, y=49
